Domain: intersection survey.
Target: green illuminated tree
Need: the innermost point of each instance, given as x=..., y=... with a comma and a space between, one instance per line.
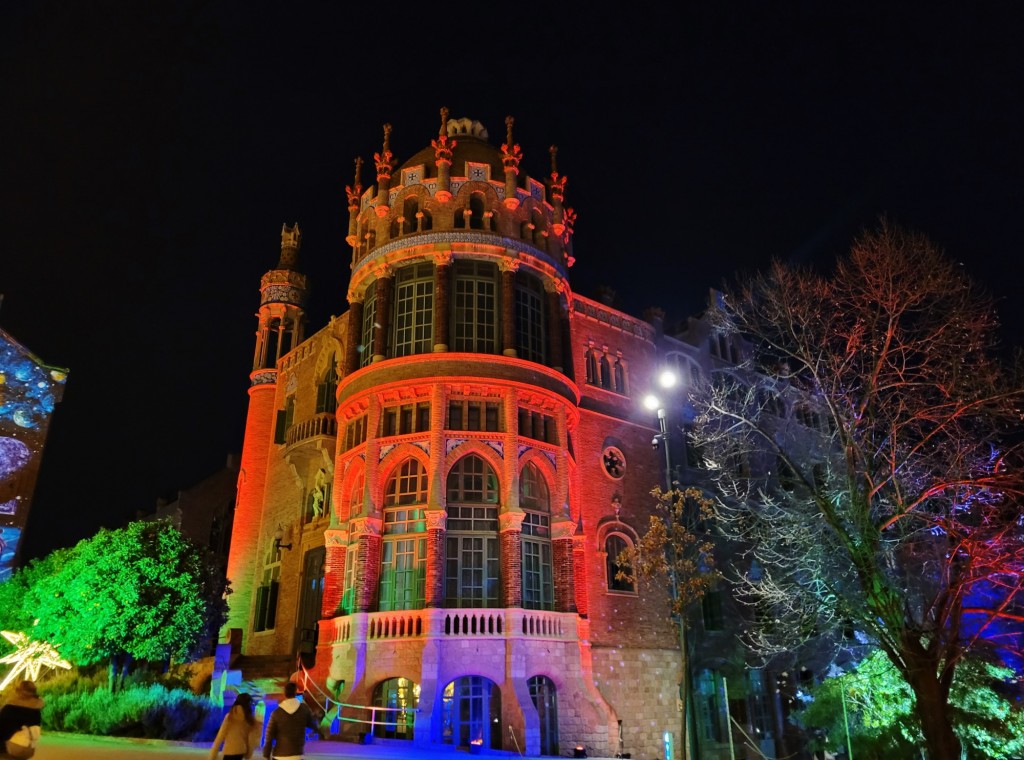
x=143, y=592
x=866, y=453
x=879, y=706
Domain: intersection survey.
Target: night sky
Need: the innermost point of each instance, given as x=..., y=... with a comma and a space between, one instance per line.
x=150, y=152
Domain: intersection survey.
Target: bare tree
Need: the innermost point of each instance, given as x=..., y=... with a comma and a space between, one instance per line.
x=866, y=451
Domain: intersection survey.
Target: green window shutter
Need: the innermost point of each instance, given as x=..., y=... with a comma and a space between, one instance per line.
x=281, y=429
x=272, y=604
x=260, y=623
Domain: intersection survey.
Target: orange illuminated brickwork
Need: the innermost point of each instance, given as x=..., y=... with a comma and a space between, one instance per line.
x=427, y=495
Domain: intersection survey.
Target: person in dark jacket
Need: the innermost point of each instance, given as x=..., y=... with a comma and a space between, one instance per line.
x=286, y=731
x=23, y=709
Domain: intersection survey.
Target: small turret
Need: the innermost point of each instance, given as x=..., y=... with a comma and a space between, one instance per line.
x=291, y=240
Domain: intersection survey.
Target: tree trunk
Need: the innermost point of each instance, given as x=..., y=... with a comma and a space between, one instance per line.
x=932, y=708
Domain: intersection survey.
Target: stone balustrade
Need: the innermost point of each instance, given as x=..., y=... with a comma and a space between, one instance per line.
x=451, y=623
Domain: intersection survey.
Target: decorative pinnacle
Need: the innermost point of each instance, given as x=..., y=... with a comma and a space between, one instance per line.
x=557, y=182
x=511, y=154
x=385, y=159
x=356, y=189
x=442, y=147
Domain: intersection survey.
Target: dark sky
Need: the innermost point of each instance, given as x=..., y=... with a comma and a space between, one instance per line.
x=149, y=153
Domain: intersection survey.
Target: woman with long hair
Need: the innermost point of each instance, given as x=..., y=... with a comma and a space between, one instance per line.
x=239, y=732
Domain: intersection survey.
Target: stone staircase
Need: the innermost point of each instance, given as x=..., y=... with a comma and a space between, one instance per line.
x=262, y=676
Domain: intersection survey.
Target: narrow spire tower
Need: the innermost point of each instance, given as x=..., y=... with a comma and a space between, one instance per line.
x=281, y=324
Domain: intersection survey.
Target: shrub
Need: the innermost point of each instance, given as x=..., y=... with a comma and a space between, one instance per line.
x=140, y=710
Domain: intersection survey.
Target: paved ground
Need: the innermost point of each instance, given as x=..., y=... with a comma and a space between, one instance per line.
x=56, y=746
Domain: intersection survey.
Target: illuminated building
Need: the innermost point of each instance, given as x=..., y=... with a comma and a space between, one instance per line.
x=435, y=485
x=29, y=391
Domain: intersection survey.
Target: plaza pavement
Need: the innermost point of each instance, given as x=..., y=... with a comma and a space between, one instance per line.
x=62, y=746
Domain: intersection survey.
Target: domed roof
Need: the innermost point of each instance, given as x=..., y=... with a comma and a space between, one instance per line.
x=470, y=145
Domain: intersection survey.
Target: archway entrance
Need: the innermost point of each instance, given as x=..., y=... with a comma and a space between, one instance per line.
x=401, y=696
x=545, y=700
x=471, y=712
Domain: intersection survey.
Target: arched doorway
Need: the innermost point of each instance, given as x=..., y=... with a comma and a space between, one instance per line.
x=401, y=696
x=471, y=712
x=545, y=700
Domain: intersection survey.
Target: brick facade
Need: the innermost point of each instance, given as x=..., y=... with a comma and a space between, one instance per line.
x=479, y=356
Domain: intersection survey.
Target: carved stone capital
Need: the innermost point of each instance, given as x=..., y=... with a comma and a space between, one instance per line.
x=334, y=537
x=563, y=529
x=437, y=519
x=509, y=265
x=443, y=258
x=382, y=271
x=511, y=521
x=366, y=526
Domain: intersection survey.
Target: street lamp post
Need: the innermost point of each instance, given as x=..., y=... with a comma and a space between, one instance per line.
x=668, y=379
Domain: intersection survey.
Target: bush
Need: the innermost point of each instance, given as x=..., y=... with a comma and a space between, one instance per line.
x=139, y=710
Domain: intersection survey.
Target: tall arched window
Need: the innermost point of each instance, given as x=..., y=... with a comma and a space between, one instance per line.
x=369, y=322
x=403, y=561
x=536, y=539
x=475, y=307
x=530, y=335
x=472, y=555
x=326, y=389
x=614, y=545
x=414, y=310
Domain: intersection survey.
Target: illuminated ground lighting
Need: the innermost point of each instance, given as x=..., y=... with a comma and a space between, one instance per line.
x=30, y=657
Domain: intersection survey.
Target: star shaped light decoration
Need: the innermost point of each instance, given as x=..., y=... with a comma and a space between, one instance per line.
x=29, y=657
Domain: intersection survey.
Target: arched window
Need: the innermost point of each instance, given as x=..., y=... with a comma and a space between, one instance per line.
x=606, y=372
x=401, y=697
x=536, y=539
x=326, y=400
x=476, y=211
x=355, y=501
x=614, y=545
x=426, y=221
x=407, y=485
x=403, y=559
x=471, y=541
x=619, y=376
x=591, y=361
x=410, y=210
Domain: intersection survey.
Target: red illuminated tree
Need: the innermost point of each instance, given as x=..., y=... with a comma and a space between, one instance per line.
x=866, y=451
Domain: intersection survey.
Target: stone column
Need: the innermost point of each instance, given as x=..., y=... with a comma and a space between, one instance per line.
x=367, y=532
x=562, y=561
x=508, y=267
x=434, y=582
x=355, y=330
x=442, y=287
x=579, y=563
x=385, y=286
x=510, y=525
x=336, y=544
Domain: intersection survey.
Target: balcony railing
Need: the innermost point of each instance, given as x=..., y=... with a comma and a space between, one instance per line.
x=453, y=623
x=325, y=424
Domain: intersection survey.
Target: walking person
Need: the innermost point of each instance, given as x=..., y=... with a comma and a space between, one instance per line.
x=239, y=732
x=20, y=721
x=286, y=731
